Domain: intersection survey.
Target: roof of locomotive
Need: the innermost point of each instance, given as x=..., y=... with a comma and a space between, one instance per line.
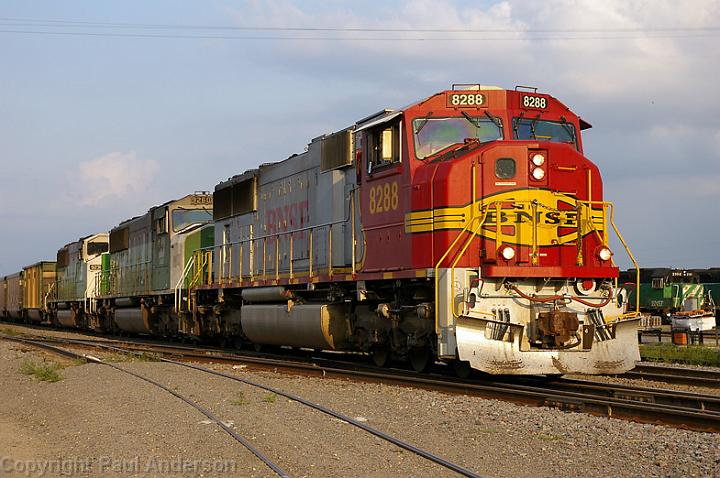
x=146, y=214
x=83, y=238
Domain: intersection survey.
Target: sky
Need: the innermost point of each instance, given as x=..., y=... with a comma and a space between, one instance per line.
x=140, y=102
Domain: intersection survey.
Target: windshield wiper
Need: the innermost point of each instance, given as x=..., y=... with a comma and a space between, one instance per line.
x=566, y=127
x=469, y=118
x=532, y=126
x=516, y=122
x=424, y=122
x=494, y=119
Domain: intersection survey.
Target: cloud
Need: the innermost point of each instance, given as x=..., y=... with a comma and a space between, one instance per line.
x=113, y=176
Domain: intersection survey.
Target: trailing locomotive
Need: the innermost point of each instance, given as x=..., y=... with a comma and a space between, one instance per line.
x=468, y=227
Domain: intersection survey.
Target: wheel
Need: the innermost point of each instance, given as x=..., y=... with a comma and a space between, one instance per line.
x=462, y=368
x=380, y=355
x=258, y=347
x=421, y=359
x=238, y=342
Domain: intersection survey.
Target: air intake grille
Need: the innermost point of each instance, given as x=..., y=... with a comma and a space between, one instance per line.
x=336, y=150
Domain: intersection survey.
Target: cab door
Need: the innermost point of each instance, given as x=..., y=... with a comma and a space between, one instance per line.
x=384, y=197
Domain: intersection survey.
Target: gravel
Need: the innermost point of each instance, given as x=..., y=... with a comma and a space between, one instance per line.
x=96, y=415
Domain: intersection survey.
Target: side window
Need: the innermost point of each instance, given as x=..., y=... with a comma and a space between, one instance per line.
x=383, y=146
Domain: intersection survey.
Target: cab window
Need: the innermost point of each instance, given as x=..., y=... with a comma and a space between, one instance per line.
x=543, y=130
x=383, y=145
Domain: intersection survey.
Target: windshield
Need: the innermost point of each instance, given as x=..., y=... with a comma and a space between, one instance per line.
x=528, y=128
x=95, y=248
x=434, y=134
x=182, y=218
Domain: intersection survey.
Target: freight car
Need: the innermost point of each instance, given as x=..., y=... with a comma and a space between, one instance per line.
x=24, y=295
x=468, y=227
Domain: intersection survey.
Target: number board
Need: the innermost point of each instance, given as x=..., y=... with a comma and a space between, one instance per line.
x=535, y=102
x=466, y=100
x=197, y=200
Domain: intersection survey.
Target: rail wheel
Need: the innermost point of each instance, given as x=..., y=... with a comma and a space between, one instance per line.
x=421, y=358
x=380, y=355
x=462, y=368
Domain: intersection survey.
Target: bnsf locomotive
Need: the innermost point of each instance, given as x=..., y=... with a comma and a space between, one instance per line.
x=468, y=228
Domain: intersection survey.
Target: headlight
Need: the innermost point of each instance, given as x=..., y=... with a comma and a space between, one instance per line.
x=507, y=252
x=604, y=254
x=538, y=159
x=538, y=173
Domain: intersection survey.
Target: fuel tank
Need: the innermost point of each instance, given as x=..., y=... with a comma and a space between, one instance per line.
x=135, y=320
x=316, y=326
x=68, y=317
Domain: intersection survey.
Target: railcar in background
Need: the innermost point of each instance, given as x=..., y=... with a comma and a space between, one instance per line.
x=25, y=295
x=664, y=291
x=38, y=282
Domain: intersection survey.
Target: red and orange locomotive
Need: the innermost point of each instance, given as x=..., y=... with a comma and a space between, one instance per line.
x=468, y=227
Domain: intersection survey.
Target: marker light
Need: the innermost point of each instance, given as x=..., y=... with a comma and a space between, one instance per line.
x=604, y=254
x=507, y=253
x=538, y=173
x=538, y=159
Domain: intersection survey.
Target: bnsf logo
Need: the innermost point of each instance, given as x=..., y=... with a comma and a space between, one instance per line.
x=551, y=217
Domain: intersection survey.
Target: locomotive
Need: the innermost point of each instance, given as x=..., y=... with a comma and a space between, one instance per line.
x=468, y=227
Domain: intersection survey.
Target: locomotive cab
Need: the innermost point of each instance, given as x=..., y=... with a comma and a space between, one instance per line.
x=488, y=192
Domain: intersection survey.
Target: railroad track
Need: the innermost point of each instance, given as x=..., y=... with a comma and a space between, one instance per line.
x=650, y=405
x=686, y=376
x=50, y=344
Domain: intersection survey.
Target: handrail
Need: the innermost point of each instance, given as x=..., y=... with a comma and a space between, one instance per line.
x=611, y=206
x=183, y=278
x=442, y=259
x=272, y=270
x=584, y=214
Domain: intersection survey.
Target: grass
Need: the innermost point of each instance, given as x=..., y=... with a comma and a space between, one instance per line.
x=241, y=400
x=44, y=371
x=548, y=436
x=692, y=354
x=131, y=357
x=270, y=398
x=9, y=332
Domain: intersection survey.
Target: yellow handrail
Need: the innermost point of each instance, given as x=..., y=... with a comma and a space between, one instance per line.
x=450, y=248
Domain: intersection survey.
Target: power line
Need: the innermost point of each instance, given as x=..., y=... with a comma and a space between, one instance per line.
x=349, y=38
x=59, y=23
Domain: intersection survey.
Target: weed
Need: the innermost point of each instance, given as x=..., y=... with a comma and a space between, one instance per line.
x=241, y=400
x=133, y=357
x=548, y=436
x=270, y=398
x=692, y=354
x=9, y=332
x=44, y=371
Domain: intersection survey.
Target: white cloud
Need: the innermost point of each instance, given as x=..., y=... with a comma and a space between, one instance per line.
x=112, y=176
